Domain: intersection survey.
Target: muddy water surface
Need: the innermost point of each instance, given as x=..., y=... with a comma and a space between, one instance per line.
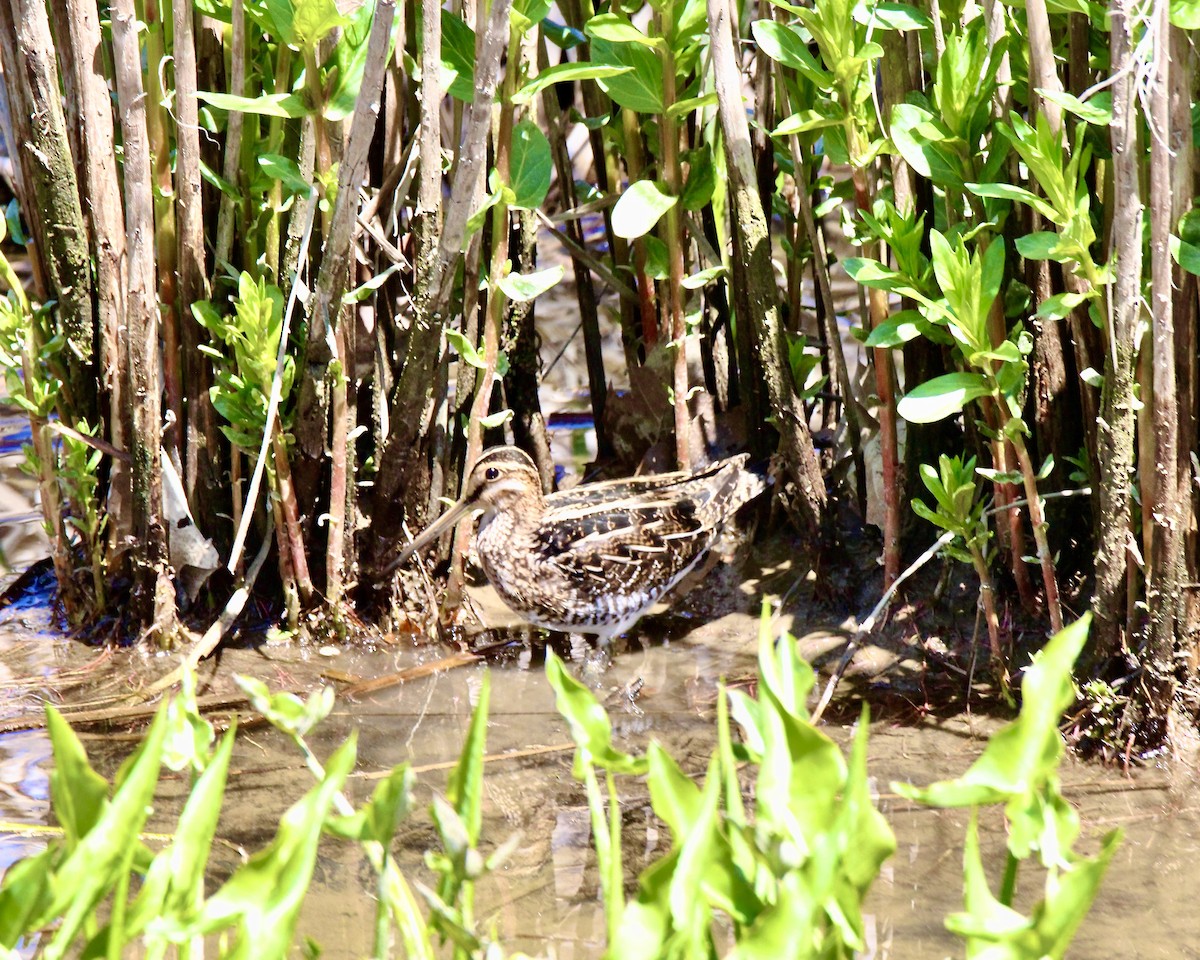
x=545, y=900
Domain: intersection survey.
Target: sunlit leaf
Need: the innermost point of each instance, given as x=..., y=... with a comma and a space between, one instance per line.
x=567, y=73
x=523, y=287
x=640, y=208
x=640, y=87
x=268, y=105
x=530, y=166
x=941, y=397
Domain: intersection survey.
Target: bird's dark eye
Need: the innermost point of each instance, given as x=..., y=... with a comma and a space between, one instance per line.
x=491, y=473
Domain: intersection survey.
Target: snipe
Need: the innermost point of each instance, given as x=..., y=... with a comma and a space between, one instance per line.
x=594, y=558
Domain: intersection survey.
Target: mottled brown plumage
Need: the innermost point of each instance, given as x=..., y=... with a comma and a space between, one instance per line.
x=594, y=558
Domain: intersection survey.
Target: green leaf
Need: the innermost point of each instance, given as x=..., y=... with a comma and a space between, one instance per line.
x=701, y=178
x=786, y=46
x=288, y=105
x=1061, y=304
x=1185, y=14
x=263, y=896
x=1096, y=110
x=928, y=146
x=523, y=287
x=530, y=166
x=618, y=29
x=458, y=56
x=1043, y=245
x=466, y=350
x=287, y=172
x=350, y=60
x=704, y=277
x=175, y=880
x=892, y=16
x=941, y=397
x=1020, y=756
x=588, y=720
x=1187, y=255
x=313, y=20
x=568, y=73
x=805, y=120
x=1008, y=191
x=77, y=792
x=896, y=330
x=464, y=789
x=640, y=208
x=95, y=865
x=681, y=108
x=640, y=87
x=12, y=221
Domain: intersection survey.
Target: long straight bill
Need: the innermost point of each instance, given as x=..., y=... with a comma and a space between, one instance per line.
x=443, y=523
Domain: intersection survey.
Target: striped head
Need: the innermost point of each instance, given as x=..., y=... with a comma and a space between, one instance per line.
x=504, y=478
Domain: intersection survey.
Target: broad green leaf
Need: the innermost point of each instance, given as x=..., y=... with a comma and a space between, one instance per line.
x=941, y=397
x=1096, y=110
x=263, y=896
x=681, y=108
x=175, y=881
x=1008, y=191
x=1185, y=14
x=566, y=38
x=465, y=349
x=1023, y=754
x=805, y=120
x=640, y=208
x=12, y=223
x=1061, y=304
x=523, y=287
x=226, y=187
x=1187, y=255
x=1043, y=245
x=701, y=178
x=676, y=798
x=704, y=277
x=286, y=171
x=927, y=144
x=618, y=29
x=313, y=20
x=892, y=16
x=465, y=787
x=77, y=792
x=458, y=56
x=90, y=871
x=896, y=330
x=286, y=711
x=588, y=720
x=289, y=105
x=786, y=46
x=567, y=73
x=530, y=166
x=640, y=87
x=350, y=60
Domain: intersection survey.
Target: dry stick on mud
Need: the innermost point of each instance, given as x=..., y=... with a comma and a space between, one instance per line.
x=153, y=593
x=753, y=253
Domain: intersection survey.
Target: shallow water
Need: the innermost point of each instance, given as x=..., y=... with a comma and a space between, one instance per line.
x=545, y=899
